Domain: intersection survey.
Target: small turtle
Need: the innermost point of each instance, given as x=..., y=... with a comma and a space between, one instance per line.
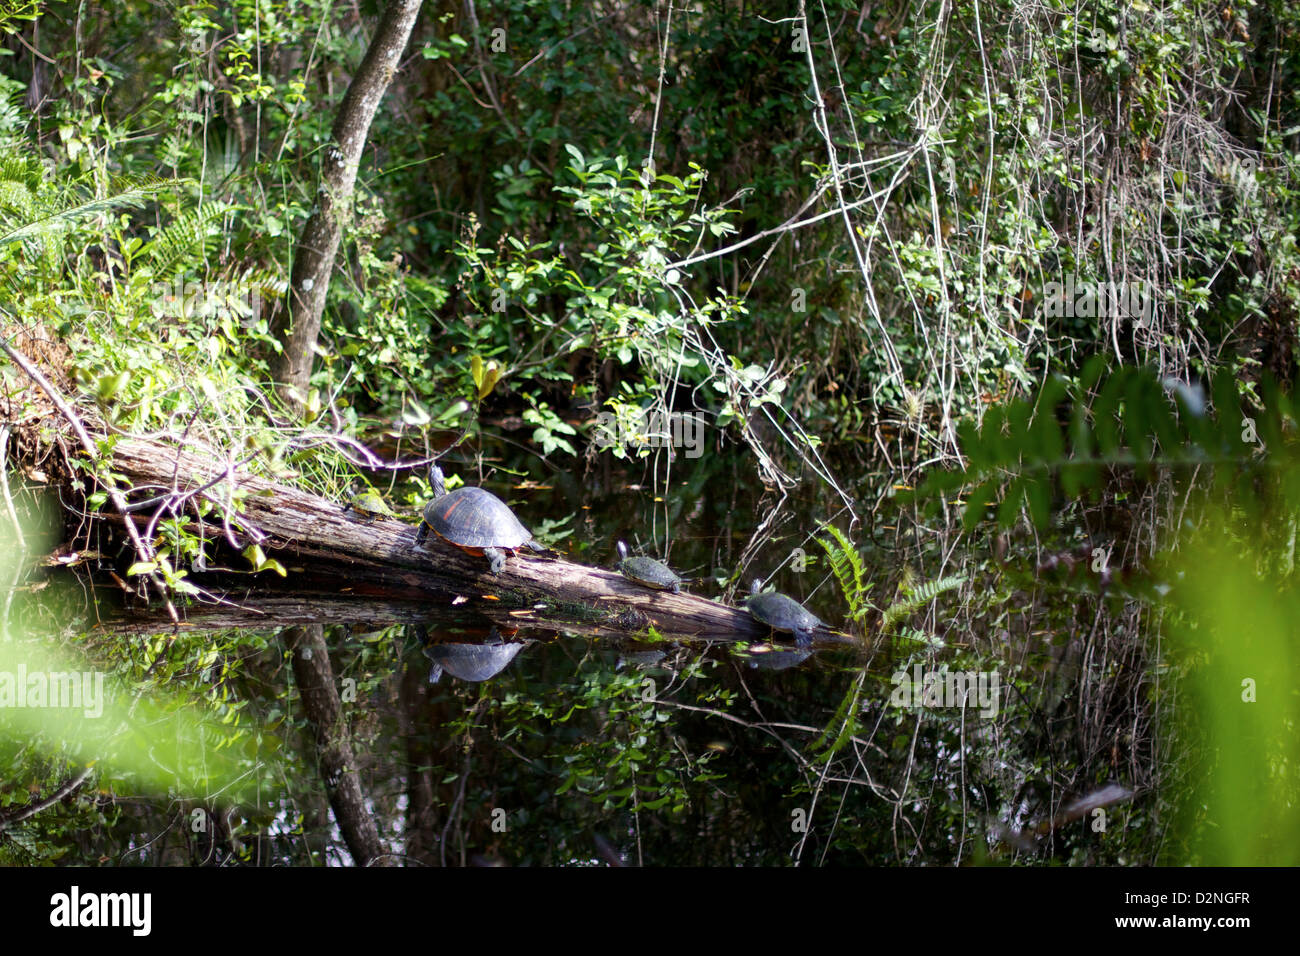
x=647, y=571
x=367, y=502
x=781, y=613
x=469, y=662
x=474, y=520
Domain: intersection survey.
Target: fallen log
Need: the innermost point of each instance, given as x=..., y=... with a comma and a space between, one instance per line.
x=376, y=557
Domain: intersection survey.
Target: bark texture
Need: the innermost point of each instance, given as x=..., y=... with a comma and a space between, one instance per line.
x=313, y=262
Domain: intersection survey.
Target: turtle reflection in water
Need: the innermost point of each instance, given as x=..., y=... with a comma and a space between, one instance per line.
x=469, y=662
x=643, y=657
x=775, y=660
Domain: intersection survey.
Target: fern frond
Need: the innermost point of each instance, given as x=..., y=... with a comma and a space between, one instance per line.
x=842, y=725
x=19, y=165
x=59, y=220
x=180, y=239
x=16, y=197
x=917, y=598
x=846, y=565
x=271, y=283
x=1021, y=454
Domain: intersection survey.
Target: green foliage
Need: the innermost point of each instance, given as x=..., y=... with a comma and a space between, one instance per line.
x=602, y=734
x=601, y=218
x=850, y=573
x=1064, y=443
x=130, y=710
x=1234, y=645
x=916, y=598
x=191, y=235
x=14, y=12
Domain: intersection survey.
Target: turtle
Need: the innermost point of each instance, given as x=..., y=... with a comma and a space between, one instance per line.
x=474, y=520
x=469, y=662
x=367, y=502
x=781, y=613
x=647, y=571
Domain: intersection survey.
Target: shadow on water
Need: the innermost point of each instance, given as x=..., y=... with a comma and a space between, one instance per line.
x=478, y=744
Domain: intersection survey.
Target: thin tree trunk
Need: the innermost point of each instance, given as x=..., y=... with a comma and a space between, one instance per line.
x=299, y=326
x=417, y=715
x=317, y=689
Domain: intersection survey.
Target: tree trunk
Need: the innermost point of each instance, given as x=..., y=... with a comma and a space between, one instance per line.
x=318, y=691
x=313, y=262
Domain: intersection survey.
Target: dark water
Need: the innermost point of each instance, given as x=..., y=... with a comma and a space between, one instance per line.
x=566, y=748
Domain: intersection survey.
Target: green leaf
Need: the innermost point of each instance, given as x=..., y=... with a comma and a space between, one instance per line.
x=490, y=376
x=1009, y=509
x=977, y=502
x=1038, y=494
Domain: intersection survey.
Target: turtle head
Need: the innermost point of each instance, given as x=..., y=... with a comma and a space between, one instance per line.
x=757, y=587
x=435, y=673
x=436, y=481
x=622, y=551
x=353, y=489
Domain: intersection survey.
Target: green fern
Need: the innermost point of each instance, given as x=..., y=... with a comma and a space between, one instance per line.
x=52, y=222
x=178, y=241
x=917, y=598
x=842, y=725
x=269, y=283
x=34, y=211
x=1022, y=455
x=20, y=167
x=846, y=565
x=21, y=183
x=16, y=199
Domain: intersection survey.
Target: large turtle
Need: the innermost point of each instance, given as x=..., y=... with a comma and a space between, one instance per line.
x=781, y=613
x=474, y=520
x=647, y=571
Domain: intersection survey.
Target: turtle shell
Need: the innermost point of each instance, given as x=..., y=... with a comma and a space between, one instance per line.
x=647, y=571
x=782, y=613
x=369, y=503
x=651, y=573
x=473, y=518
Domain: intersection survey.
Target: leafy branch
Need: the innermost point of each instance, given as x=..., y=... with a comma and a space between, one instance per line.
x=1064, y=441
